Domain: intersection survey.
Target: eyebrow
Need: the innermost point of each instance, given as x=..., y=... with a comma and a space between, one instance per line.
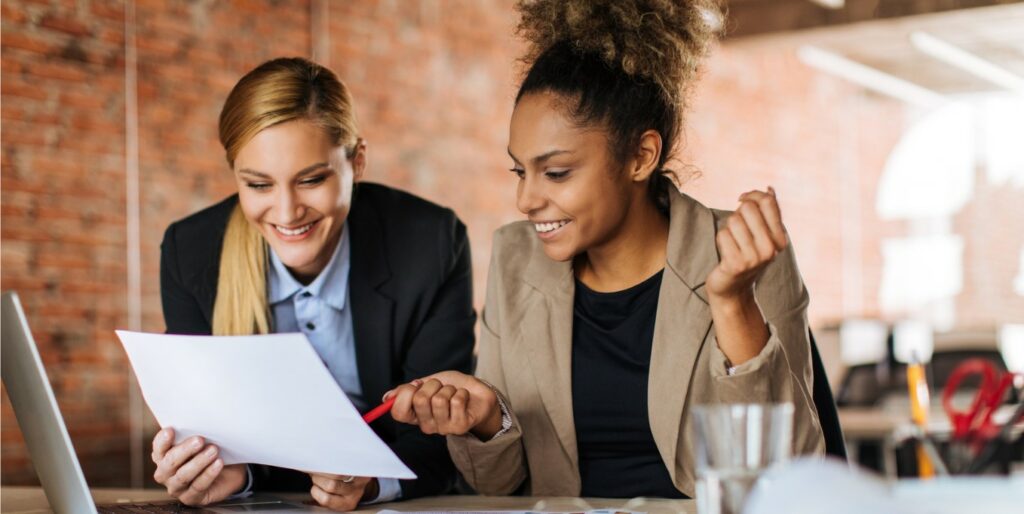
x=303, y=171
x=542, y=157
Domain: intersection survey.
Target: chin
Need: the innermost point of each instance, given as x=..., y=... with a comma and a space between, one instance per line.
x=559, y=253
x=294, y=260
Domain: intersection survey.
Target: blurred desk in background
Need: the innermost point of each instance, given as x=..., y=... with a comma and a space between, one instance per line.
x=889, y=429
x=871, y=425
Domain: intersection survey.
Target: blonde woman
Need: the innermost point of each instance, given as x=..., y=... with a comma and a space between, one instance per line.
x=620, y=303
x=378, y=279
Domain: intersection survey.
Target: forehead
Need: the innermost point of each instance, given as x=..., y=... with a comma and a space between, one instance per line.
x=540, y=122
x=286, y=147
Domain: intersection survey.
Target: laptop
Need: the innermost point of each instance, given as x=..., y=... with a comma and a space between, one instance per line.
x=49, y=445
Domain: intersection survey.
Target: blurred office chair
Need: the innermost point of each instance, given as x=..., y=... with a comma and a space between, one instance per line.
x=835, y=444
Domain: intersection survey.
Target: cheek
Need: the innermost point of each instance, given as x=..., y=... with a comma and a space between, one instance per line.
x=331, y=199
x=253, y=205
x=581, y=201
x=336, y=196
x=598, y=207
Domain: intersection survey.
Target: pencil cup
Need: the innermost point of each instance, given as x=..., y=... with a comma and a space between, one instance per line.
x=735, y=443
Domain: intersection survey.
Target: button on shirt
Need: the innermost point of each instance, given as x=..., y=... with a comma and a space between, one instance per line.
x=321, y=311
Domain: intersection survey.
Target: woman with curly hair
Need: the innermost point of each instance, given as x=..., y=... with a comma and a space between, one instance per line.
x=621, y=303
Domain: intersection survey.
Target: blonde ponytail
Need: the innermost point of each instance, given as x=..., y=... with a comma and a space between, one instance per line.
x=241, y=307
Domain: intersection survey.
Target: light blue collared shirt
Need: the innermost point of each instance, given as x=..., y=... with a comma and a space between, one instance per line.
x=321, y=311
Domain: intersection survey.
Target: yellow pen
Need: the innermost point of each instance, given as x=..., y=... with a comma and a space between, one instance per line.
x=920, y=400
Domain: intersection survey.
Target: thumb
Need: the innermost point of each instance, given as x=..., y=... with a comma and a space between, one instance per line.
x=445, y=377
x=391, y=393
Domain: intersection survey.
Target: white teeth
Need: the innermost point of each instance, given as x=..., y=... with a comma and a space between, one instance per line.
x=548, y=227
x=293, y=232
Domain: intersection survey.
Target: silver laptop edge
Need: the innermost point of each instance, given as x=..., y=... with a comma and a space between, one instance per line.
x=49, y=445
x=38, y=414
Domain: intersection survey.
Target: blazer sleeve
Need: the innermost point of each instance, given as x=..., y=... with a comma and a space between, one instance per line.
x=182, y=313
x=782, y=372
x=443, y=341
x=497, y=466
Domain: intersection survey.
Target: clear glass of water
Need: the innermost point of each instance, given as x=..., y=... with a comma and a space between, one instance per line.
x=735, y=443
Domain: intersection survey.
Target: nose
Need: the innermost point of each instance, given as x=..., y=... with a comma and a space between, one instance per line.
x=529, y=195
x=289, y=206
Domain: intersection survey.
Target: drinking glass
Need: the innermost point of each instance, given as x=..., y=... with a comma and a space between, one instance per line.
x=734, y=444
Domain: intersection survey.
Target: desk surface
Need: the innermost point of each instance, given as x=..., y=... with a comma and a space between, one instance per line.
x=31, y=499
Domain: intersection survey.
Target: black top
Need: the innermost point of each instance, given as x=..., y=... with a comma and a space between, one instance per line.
x=612, y=336
x=411, y=291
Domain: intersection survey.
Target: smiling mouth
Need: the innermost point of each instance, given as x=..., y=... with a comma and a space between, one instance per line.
x=297, y=231
x=550, y=226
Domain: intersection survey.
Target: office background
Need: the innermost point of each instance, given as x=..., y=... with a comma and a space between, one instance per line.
x=905, y=200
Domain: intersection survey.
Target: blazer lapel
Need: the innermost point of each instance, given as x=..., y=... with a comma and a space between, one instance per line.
x=372, y=311
x=682, y=322
x=547, y=336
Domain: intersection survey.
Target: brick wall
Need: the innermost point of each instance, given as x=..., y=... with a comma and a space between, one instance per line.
x=433, y=83
x=440, y=127
x=761, y=117
x=63, y=197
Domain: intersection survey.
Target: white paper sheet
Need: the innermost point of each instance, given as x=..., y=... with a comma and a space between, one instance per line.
x=265, y=399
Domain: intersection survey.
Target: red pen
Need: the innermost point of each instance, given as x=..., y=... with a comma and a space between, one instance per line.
x=378, y=411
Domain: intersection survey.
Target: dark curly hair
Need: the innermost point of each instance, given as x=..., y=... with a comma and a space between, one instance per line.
x=627, y=64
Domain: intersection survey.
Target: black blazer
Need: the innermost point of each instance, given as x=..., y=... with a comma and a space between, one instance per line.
x=411, y=293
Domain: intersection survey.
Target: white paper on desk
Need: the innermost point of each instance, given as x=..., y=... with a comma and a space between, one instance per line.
x=264, y=399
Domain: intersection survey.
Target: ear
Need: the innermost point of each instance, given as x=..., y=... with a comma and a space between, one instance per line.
x=645, y=160
x=359, y=160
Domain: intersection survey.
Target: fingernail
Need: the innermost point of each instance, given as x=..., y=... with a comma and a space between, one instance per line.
x=196, y=442
x=386, y=395
x=211, y=451
x=417, y=382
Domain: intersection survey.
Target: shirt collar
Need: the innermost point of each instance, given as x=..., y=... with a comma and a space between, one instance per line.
x=331, y=285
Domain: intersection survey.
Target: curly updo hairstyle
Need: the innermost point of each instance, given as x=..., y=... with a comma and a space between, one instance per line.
x=626, y=64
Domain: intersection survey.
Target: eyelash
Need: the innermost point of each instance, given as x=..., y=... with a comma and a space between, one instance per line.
x=312, y=181
x=262, y=186
x=553, y=175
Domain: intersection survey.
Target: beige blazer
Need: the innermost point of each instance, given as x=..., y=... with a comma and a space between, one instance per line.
x=525, y=352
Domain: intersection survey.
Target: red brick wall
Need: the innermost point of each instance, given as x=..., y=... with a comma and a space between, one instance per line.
x=63, y=228
x=440, y=127
x=760, y=118
x=433, y=83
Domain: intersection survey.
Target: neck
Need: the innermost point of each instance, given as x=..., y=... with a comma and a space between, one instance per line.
x=633, y=254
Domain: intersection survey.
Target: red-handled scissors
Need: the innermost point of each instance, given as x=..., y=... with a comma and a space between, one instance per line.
x=975, y=424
